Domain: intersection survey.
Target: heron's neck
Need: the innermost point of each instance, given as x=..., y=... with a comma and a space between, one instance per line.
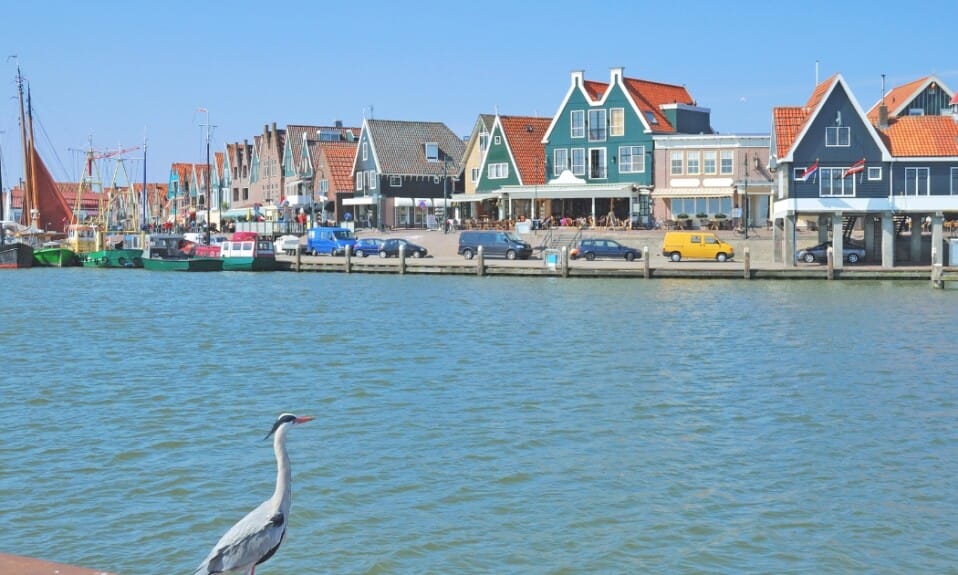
x=281, y=497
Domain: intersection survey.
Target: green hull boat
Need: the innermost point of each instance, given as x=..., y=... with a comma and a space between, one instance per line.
x=122, y=258
x=54, y=257
x=183, y=264
x=249, y=264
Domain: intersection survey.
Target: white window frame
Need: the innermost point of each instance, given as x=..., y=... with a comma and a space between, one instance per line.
x=359, y=181
x=395, y=181
x=475, y=174
x=954, y=181
x=578, y=168
x=371, y=178
x=693, y=163
x=598, y=116
x=429, y=147
x=915, y=174
x=616, y=122
x=560, y=161
x=635, y=162
x=834, y=178
x=726, y=162
x=577, y=124
x=709, y=157
x=603, y=164
x=838, y=136
x=676, y=163
x=497, y=140
x=498, y=171
x=365, y=150
x=483, y=141
x=874, y=173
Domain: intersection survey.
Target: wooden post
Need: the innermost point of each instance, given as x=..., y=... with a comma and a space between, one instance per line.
x=830, y=259
x=299, y=258
x=646, y=272
x=402, y=259
x=748, y=263
x=349, y=259
x=480, y=262
x=936, y=273
x=565, y=262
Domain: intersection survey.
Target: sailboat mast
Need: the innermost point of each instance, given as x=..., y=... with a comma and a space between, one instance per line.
x=144, y=197
x=25, y=206
x=35, y=211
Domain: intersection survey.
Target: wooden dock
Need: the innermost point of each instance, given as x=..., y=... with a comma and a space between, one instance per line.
x=15, y=564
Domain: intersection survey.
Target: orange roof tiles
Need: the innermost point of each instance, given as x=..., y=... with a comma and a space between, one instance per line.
x=922, y=136
x=524, y=135
x=339, y=158
x=790, y=120
x=595, y=90
x=649, y=96
x=897, y=97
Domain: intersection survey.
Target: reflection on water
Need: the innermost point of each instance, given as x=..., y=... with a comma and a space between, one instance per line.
x=480, y=425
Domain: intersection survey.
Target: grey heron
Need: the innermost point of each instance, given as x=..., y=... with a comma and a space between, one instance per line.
x=256, y=537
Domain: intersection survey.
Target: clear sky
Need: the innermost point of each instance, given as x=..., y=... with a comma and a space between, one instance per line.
x=122, y=70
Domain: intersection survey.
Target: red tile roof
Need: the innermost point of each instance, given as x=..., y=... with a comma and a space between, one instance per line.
x=897, y=97
x=524, y=135
x=594, y=90
x=921, y=136
x=339, y=157
x=649, y=96
x=789, y=121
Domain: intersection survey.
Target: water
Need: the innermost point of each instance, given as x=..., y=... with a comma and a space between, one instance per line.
x=482, y=425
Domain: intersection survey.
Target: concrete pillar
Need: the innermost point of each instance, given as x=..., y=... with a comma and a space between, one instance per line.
x=777, y=241
x=869, y=228
x=914, y=247
x=788, y=249
x=822, y=228
x=887, y=240
x=838, y=240
x=937, y=238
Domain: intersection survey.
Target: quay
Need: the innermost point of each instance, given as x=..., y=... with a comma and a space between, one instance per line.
x=753, y=261
x=29, y=566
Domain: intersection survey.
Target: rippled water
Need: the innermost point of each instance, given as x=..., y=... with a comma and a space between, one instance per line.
x=482, y=425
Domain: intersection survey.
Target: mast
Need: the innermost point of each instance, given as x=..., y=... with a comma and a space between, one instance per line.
x=144, y=196
x=35, y=210
x=25, y=206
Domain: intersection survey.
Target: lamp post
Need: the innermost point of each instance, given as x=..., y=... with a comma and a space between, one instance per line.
x=209, y=178
x=535, y=193
x=745, y=210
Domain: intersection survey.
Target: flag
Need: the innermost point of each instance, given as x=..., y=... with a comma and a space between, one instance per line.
x=856, y=168
x=809, y=172
x=202, y=110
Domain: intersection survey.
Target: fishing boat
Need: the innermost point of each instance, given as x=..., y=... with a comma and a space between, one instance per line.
x=14, y=254
x=42, y=200
x=244, y=252
x=172, y=252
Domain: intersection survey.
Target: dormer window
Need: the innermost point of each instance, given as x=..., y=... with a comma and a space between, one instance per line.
x=432, y=152
x=650, y=116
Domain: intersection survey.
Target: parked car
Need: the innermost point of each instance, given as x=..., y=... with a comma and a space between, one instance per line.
x=696, y=245
x=367, y=246
x=604, y=248
x=288, y=245
x=494, y=244
x=852, y=252
x=390, y=248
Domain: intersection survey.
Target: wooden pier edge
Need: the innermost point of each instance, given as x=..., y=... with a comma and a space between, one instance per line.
x=30, y=566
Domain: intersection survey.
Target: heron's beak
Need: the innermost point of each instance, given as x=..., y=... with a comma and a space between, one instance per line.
x=303, y=419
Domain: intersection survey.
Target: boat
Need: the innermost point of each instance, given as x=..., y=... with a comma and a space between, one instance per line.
x=172, y=252
x=244, y=252
x=14, y=254
x=42, y=200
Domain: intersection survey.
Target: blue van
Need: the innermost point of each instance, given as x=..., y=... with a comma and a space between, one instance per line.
x=330, y=241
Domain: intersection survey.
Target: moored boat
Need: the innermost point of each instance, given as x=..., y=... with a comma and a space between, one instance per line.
x=171, y=252
x=54, y=256
x=15, y=255
x=244, y=252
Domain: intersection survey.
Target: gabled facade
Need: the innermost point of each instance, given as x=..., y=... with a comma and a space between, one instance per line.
x=404, y=173
x=475, y=152
x=838, y=166
x=298, y=163
x=239, y=158
x=266, y=174
x=332, y=176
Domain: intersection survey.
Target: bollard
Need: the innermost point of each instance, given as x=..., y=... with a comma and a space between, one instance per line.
x=748, y=264
x=480, y=262
x=565, y=262
x=830, y=258
x=402, y=259
x=646, y=272
x=936, y=275
x=349, y=259
x=299, y=258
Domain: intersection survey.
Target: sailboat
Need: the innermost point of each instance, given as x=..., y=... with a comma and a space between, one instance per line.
x=13, y=254
x=42, y=201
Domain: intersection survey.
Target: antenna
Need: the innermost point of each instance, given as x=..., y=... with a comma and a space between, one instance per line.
x=816, y=72
x=883, y=89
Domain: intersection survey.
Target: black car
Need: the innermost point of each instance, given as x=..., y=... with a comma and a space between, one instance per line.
x=604, y=248
x=367, y=246
x=390, y=248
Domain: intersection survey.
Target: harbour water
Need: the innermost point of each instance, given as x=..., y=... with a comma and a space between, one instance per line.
x=482, y=425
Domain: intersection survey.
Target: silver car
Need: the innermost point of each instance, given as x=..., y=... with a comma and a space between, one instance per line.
x=851, y=252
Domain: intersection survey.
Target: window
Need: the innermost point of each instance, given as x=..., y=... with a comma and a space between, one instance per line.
x=475, y=175
x=831, y=183
x=617, y=122
x=324, y=187
x=838, y=136
x=678, y=164
x=483, y=141
x=497, y=140
x=395, y=181
x=650, y=117
x=578, y=123
x=709, y=167
x=597, y=167
x=359, y=181
x=874, y=174
x=954, y=181
x=597, y=126
x=560, y=161
x=432, y=152
x=498, y=171
x=365, y=150
x=578, y=161
x=726, y=162
x=631, y=159
x=916, y=181
x=693, y=165
x=371, y=178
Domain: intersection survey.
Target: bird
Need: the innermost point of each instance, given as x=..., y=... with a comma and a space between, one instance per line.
x=256, y=537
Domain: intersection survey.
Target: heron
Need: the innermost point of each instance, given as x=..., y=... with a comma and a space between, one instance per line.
x=256, y=537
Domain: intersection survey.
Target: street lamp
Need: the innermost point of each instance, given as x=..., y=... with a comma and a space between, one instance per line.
x=745, y=210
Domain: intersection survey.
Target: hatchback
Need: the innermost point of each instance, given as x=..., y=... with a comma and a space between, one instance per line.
x=604, y=248
x=391, y=246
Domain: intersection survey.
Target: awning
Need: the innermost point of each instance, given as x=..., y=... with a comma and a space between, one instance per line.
x=362, y=201
x=694, y=192
x=419, y=202
x=570, y=191
x=469, y=198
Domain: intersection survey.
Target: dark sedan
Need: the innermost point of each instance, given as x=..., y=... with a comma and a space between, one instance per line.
x=851, y=251
x=390, y=248
x=367, y=246
x=604, y=248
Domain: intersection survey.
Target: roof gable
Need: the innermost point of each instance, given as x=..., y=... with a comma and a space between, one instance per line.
x=922, y=136
x=900, y=99
x=523, y=137
x=399, y=146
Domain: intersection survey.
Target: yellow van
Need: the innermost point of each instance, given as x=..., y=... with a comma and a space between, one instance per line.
x=703, y=245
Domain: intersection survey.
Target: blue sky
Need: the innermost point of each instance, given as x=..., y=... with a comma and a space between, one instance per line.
x=119, y=70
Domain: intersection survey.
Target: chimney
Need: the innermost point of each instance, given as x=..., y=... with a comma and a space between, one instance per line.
x=339, y=123
x=882, y=108
x=616, y=74
x=577, y=77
